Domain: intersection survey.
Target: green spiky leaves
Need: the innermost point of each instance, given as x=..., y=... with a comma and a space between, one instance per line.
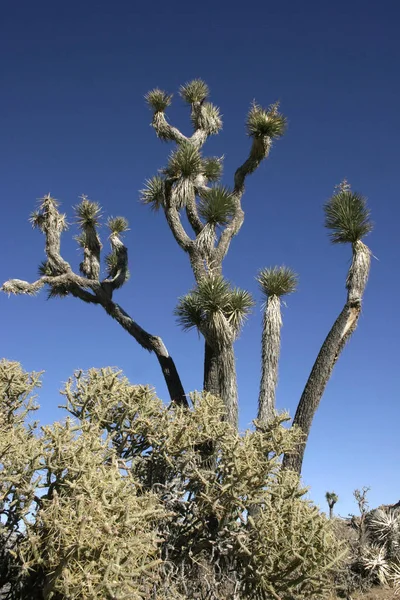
x=277, y=281
x=263, y=122
x=347, y=216
x=184, y=162
x=153, y=194
x=118, y=225
x=194, y=91
x=212, y=168
x=158, y=100
x=217, y=206
x=211, y=297
x=88, y=213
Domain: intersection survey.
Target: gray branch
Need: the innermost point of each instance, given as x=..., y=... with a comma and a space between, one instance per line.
x=330, y=350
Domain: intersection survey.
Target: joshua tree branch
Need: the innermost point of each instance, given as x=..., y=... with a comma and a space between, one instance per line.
x=63, y=280
x=330, y=351
x=165, y=131
x=259, y=150
x=193, y=216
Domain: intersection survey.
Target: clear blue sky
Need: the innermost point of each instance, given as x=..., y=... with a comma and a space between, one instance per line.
x=73, y=121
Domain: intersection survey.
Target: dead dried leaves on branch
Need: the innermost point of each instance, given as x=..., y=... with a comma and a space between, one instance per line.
x=129, y=507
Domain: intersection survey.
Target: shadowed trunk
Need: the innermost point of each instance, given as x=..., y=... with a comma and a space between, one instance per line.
x=271, y=342
x=220, y=378
x=330, y=351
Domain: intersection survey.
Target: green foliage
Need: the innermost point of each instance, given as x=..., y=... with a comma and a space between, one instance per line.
x=277, y=281
x=130, y=498
x=212, y=168
x=214, y=304
x=194, y=91
x=184, y=162
x=263, y=122
x=158, y=100
x=153, y=193
x=347, y=216
x=88, y=213
x=217, y=205
x=118, y=225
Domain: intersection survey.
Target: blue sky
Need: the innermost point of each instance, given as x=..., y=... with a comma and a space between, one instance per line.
x=73, y=121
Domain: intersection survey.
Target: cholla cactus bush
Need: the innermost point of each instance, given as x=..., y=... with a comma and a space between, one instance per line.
x=20, y=456
x=129, y=498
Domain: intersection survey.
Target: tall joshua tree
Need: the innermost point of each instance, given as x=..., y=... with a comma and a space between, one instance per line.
x=331, y=499
x=348, y=219
x=188, y=189
x=189, y=185
x=274, y=283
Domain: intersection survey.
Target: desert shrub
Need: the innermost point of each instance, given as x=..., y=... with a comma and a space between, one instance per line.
x=373, y=540
x=129, y=498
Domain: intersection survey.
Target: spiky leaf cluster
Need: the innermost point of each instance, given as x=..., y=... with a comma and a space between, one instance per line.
x=212, y=168
x=217, y=205
x=347, y=217
x=153, y=194
x=277, y=281
x=184, y=162
x=213, y=296
x=263, y=122
x=118, y=225
x=88, y=213
x=194, y=91
x=158, y=100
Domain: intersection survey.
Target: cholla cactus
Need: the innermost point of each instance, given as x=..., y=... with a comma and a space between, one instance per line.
x=104, y=524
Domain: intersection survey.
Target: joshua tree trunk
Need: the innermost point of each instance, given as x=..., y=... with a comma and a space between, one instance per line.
x=330, y=351
x=271, y=342
x=220, y=378
x=331, y=511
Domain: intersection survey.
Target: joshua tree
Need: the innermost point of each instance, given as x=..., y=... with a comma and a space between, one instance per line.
x=190, y=186
x=274, y=283
x=331, y=499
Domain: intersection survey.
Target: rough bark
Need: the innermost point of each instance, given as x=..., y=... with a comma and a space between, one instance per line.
x=270, y=343
x=220, y=378
x=330, y=351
